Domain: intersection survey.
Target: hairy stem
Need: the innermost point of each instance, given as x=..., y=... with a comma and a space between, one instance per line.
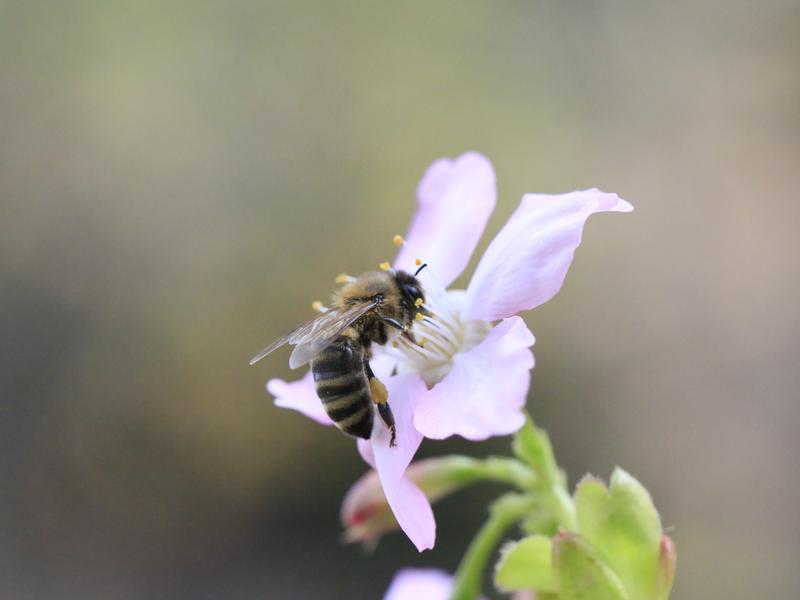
x=500, y=470
x=532, y=445
x=504, y=512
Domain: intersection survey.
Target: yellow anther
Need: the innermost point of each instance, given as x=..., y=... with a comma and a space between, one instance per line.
x=398, y=240
x=342, y=278
x=316, y=305
x=418, y=261
x=419, y=316
x=385, y=266
x=418, y=302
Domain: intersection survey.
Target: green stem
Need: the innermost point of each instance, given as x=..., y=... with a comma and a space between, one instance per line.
x=532, y=445
x=439, y=477
x=504, y=470
x=503, y=513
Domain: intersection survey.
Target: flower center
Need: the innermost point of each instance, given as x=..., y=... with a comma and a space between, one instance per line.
x=440, y=337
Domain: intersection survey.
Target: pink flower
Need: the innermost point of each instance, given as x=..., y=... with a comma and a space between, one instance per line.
x=472, y=375
x=366, y=514
x=420, y=584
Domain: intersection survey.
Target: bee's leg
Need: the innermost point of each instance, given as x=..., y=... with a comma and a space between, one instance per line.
x=406, y=333
x=388, y=418
x=380, y=396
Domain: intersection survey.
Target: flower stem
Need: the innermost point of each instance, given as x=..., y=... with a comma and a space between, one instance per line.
x=501, y=470
x=532, y=445
x=503, y=513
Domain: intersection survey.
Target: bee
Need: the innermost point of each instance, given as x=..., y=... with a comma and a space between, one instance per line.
x=369, y=309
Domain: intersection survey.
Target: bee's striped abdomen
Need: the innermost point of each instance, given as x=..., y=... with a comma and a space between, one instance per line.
x=342, y=387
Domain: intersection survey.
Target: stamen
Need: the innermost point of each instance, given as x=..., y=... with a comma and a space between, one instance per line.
x=438, y=340
x=418, y=261
x=385, y=266
x=424, y=352
x=398, y=240
x=438, y=349
x=318, y=306
x=342, y=278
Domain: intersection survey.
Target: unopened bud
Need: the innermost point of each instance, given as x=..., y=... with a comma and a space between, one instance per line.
x=366, y=514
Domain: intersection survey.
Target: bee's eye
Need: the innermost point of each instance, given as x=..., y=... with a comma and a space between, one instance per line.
x=412, y=291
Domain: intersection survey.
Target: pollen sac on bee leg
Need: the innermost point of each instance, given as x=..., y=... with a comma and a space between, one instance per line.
x=379, y=392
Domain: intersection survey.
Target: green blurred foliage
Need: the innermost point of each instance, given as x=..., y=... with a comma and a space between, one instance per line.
x=526, y=565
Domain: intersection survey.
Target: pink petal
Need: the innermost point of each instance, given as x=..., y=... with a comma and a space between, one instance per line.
x=486, y=389
x=382, y=364
x=454, y=201
x=420, y=584
x=408, y=503
x=299, y=395
x=413, y=512
x=527, y=261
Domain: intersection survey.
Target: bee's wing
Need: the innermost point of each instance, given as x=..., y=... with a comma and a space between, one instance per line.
x=327, y=328
x=314, y=336
x=283, y=340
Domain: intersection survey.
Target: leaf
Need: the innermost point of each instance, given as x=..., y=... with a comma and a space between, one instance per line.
x=581, y=572
x=526, y=565
x=667, y=559
x=622, y=523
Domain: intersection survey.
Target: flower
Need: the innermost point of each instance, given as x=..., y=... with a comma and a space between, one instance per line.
x=366, y=514
x=472, y=374
x=419, y=584
x=423, y=584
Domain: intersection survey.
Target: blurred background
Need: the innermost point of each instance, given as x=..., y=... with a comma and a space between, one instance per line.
x=179, y=180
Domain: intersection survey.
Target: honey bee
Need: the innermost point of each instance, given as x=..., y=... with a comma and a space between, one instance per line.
x=338, y=345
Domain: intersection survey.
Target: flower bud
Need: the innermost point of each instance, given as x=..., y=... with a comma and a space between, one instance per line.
x=365, y=513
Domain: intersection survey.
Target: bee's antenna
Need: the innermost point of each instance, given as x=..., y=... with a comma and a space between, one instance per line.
x=399, y=241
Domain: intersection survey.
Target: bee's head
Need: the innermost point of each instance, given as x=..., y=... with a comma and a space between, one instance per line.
x=411, y=292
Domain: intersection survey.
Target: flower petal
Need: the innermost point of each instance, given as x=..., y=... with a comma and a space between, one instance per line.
x=299, y=395
x=454, y=200
x=485, y=391
x=382, y=364
x=527, y=261
x=408, y=503
x=365, y=513
x=420, y=584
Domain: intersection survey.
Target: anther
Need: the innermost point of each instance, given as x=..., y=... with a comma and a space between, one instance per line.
x=418, y=302
x=342, y=278
x=317, y=306
x=419, y=316
x=385, y=266
x=398, y=240
x=418, y=261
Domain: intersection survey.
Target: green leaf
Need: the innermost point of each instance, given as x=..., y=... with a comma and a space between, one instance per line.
x=622, y=523
x=667, y=559
x=540, y=521
x=526, y=565
x=581, y=572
